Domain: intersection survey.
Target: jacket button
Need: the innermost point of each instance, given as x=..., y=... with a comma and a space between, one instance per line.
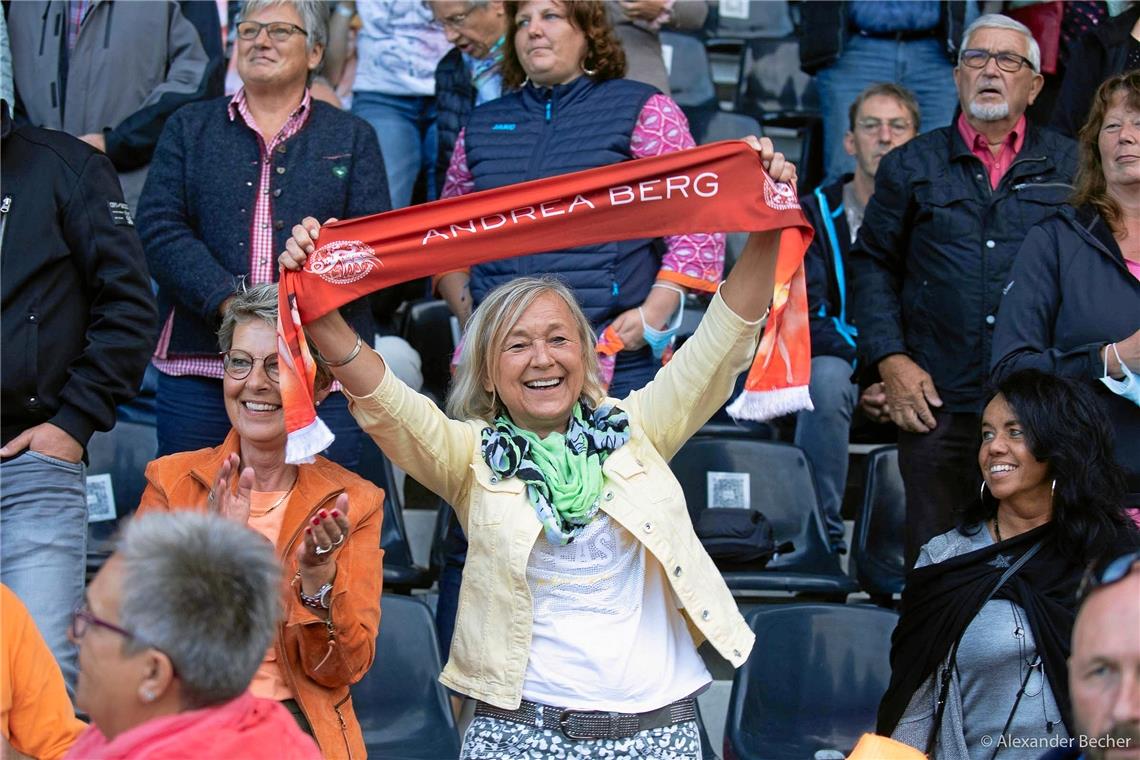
x=280, y=169
x=978, y=176
x=31, y=317
x=705, y=614
x=990, y=244
x=494, y=480
x=609, y=496
x=281, y=148
x=279, y=225
x=677, y=571
x=243, y=210
x=277, y=193
x=990, y=319
x=249, y=184
x=32, y=401
x=648, y=527
x=241, y=245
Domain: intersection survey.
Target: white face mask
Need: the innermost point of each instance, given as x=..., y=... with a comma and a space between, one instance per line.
x=1129, y=387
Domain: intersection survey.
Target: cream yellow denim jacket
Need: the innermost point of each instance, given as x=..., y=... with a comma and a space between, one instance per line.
x=493, y=626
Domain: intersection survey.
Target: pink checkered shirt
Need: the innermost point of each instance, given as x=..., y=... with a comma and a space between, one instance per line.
x=262, y=257
x=76, y=10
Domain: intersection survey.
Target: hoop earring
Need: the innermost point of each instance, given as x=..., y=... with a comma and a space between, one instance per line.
x=982, y=492
x=1052, y=490
x=587, y=71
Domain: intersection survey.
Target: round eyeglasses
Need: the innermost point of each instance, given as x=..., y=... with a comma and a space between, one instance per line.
x=238, y=364
x=1006, y=61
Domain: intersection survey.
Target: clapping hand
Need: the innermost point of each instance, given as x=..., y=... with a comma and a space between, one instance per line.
x=325, y=535
x=230, y=495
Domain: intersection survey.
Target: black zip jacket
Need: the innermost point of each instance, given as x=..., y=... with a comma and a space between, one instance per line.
x=1069, y=294
x=78, y=318
x=825, y=267
x=935, y=250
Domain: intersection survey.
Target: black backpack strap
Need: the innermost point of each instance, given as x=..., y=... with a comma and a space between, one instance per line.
x=944, y=688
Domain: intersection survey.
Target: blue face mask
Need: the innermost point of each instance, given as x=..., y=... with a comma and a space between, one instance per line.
x=659, y=340
x=1129, y=387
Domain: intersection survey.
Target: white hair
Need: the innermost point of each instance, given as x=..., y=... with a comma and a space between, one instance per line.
x=998, y=21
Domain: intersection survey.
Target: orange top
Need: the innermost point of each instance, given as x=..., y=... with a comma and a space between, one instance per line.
x=266, y=512
x=36, y=716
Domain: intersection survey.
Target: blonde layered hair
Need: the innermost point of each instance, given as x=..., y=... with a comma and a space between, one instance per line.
x=469, y=397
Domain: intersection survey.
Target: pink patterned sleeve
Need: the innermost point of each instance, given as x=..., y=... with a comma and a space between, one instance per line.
x=458, y=180
x=694, y=260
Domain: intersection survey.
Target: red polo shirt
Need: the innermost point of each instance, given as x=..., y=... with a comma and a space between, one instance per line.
x=997, y=165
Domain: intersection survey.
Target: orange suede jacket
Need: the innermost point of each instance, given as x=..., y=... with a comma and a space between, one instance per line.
x=320, y=657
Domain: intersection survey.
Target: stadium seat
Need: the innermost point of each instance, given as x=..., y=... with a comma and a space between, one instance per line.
x=813, y=681
x=877, y=550
x=402, y=708
x=123, y=453
x=401, y=573
x=776, y=479
x=426, y=325
x=690, y=79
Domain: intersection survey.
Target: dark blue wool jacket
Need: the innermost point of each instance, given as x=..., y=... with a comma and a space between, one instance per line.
x=196, y=210
x=538, y=132
x=454, y=102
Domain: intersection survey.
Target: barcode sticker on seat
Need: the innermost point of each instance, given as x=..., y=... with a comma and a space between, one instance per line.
x=733, y=8
x=100, y=498
x=729, y=490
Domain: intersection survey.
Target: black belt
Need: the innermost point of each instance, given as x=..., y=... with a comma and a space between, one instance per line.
x=906, y=35
x=575, y=724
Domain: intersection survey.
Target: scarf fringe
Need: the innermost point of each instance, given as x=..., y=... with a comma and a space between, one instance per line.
x=758, y=406
x=304, y=444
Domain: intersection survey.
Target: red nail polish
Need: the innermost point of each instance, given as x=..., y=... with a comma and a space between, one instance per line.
x=309, y=531
x=316, y=521
x=324, y=514
x=336, y=513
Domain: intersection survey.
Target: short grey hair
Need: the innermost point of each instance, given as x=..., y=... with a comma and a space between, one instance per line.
x=479, y=358
x=250, y=304
x=206, y=592
x=999, y=21
x=314, y=17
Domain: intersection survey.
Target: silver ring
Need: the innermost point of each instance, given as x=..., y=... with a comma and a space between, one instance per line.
x=319, y=550
x=339, y=541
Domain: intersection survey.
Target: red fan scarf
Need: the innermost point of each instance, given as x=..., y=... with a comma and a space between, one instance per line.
x=714, y=188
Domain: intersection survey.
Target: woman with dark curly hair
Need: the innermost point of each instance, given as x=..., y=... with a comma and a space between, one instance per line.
x=1072, y=305
x=570, y=109
x=987, y=613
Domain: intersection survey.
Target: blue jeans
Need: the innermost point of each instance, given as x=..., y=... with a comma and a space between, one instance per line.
x=823, y=434
x=191, y=415
x=918, y=65
x=43, y=545
x=405, y=125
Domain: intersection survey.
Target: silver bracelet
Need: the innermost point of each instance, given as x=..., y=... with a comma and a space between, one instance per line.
x=351, y=354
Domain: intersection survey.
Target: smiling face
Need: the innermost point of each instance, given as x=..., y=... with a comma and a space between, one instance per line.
x=868, y=144
x=253, y=403
x=549, y=48
x=1119, y=145
x=990, y=94
x=540, y=370
x=472, y=27
x=264, y=62
x=1010, y=470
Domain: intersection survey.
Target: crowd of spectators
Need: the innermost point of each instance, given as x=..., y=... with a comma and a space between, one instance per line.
x=973, y=289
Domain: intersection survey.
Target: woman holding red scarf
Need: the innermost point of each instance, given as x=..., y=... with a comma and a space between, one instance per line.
x=584, y=577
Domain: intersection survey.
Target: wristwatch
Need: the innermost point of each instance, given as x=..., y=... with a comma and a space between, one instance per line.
x=320, y=600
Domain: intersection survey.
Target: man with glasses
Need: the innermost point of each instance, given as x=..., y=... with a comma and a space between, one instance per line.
x=229, y=178
x=949, y=212
x=1104, y=666
x=469, y=74
x=881, y=118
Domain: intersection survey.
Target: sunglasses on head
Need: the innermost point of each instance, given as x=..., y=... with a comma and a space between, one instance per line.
x=1110, y=572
